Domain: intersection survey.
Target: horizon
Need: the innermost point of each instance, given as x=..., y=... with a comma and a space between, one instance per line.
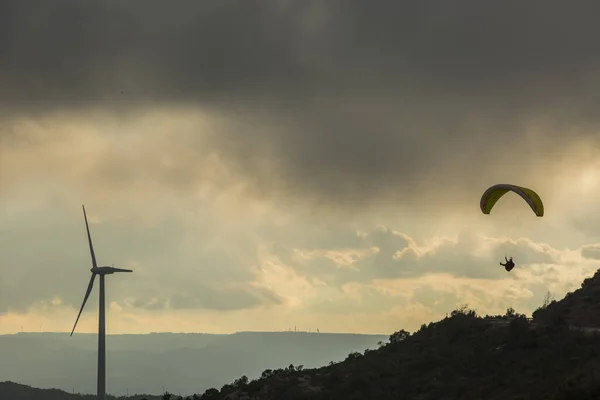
x=289, y=330
x=321, y=167
x=197, y=333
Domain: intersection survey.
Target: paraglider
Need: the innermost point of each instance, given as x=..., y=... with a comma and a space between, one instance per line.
x=509, y=265
x=491, y=196
x=494, y=193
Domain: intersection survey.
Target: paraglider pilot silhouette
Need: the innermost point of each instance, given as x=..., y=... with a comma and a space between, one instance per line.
x=509, y=264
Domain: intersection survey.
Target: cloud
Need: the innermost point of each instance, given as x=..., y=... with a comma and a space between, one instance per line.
x=223, y=300
x=410, y=302
x=439, y=301
x=173, y=267
x=347, y=105
x=384, y=253
x=379, y=275
x=591, y=252
x=388, y=273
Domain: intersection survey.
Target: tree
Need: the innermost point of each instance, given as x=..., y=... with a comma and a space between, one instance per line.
x=266, y=373
x=353, y=356
x=241, y=381
x=548, y=301
x=211, y=394
x=464, y=310
x=399, y=336
x=548, y=298
x=510, y=312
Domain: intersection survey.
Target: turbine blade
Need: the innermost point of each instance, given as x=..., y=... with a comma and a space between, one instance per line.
x=121, y=270
x=87, y=227
x=87, y=294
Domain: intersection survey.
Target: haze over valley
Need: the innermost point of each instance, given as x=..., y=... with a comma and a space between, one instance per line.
x=179, y=363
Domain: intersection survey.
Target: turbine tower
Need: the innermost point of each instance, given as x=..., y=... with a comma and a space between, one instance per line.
x=101, y=271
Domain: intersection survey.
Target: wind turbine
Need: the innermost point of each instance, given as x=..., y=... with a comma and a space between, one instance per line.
x=101, y=271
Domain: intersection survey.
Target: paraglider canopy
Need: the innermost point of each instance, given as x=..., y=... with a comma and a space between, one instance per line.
x=494, y=193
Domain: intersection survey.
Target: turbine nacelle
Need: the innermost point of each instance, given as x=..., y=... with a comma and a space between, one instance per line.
x=107, y=270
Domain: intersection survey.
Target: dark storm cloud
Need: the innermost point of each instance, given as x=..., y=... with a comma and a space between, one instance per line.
x=360, y=98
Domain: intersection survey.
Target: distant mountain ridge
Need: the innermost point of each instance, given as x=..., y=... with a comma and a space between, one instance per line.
x=153, y=363
x=16, y=391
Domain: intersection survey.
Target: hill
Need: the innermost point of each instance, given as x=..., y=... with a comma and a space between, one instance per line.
x=464, y=356
x=579, y=309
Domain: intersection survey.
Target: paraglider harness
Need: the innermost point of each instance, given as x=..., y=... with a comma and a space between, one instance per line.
x=509, y=264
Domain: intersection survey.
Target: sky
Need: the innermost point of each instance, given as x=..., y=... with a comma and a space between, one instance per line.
x=319, y=164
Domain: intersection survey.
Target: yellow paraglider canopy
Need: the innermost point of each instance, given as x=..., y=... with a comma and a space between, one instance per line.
x=494, y=193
